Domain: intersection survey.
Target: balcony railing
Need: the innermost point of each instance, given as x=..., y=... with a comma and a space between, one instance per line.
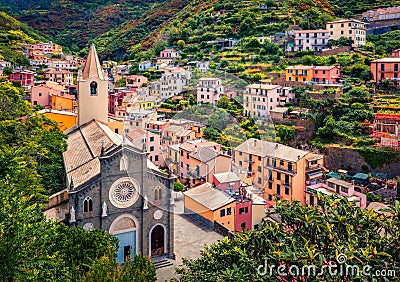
x=286, y=184
x=280, y=169
x=249, y=160
x=313, y=167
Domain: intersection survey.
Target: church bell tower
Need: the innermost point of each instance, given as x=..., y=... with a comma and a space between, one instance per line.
x=92, y=91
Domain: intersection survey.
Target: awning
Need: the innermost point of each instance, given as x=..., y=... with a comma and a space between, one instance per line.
x=314, y=174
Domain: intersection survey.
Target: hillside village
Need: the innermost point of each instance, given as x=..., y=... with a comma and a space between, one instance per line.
x=235, y=133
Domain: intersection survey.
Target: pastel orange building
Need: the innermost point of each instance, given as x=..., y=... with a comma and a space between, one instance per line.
x=65, y=119
x=385, y=68
x=210, y=205
x=280, y=171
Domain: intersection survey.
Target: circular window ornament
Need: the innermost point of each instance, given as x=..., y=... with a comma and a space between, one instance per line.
x=88, y=226
x=158, y=214
x=124, y=192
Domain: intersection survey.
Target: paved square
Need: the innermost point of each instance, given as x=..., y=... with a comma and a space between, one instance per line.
x=190, y=239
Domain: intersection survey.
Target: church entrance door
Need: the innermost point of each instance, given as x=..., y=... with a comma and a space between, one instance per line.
x=157, y=241
x=124, y=228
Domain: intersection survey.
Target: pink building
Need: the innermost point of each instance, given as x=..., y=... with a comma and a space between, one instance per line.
x=226, y=181
x=136, y=81
x=260, y=99
x=141, y=138
x=169, y=53
x=335, y=186
x=187, y=148
x=209, y=90
x=44, y=47
x=326, y=74
x=41, y=95
x=62, y=77
x=243, y=213
x=25, y=77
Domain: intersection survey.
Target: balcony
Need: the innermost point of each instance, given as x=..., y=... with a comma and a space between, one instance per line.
x=286, y=184
x=313, y=167
x=279, y=169
x=249, y=161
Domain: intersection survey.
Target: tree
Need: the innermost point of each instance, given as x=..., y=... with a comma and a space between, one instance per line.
x=178, y=186
x=181, y=44
x=333, y=233
x=192, y=100
x=285, y=133
x=223, y=102
x=327, y=131
x=138, y=269
x=220, y=119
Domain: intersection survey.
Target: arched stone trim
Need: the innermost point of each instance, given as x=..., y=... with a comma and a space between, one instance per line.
x=165, y=237
x=136, y=228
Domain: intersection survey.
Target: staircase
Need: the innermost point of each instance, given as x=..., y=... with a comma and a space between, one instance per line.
x=162, y=262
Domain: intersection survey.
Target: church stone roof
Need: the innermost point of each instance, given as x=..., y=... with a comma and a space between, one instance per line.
x=92, y=66
x=81, y=159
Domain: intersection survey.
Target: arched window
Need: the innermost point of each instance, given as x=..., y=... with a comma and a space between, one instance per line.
x=93, y=88
x=123, y=163
x=157, y=193
x=87, y=205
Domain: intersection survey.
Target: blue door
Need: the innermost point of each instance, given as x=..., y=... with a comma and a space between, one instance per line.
x=127, y=244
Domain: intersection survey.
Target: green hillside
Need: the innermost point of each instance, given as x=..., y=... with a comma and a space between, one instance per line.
x=122, y=28
x=12, y=34
x=73, y=23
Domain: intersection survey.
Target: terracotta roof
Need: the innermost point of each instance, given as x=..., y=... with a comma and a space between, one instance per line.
x=209, y=197
x=92, y=65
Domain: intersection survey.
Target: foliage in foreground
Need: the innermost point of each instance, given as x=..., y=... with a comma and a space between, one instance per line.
x=305, y=236
x=32, y=248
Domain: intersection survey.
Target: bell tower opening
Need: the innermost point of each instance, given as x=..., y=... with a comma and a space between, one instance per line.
x=93, y=88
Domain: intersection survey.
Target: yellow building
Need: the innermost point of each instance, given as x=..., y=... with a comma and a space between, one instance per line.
x=199, y=130
x=210, y=205
x=116, y=125
x=348, y=28
x=280, y=171
x=65, y=119
x=62, y=103
x=299, y=73
x=57, y=49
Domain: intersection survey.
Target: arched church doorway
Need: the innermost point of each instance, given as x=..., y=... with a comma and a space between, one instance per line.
x=125, y=228
x=157, y=241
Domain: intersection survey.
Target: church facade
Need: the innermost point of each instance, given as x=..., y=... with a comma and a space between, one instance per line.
x=111, y=185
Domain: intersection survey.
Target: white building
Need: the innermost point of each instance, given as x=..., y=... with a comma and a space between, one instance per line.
x=171, y=83
x=305, y=40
